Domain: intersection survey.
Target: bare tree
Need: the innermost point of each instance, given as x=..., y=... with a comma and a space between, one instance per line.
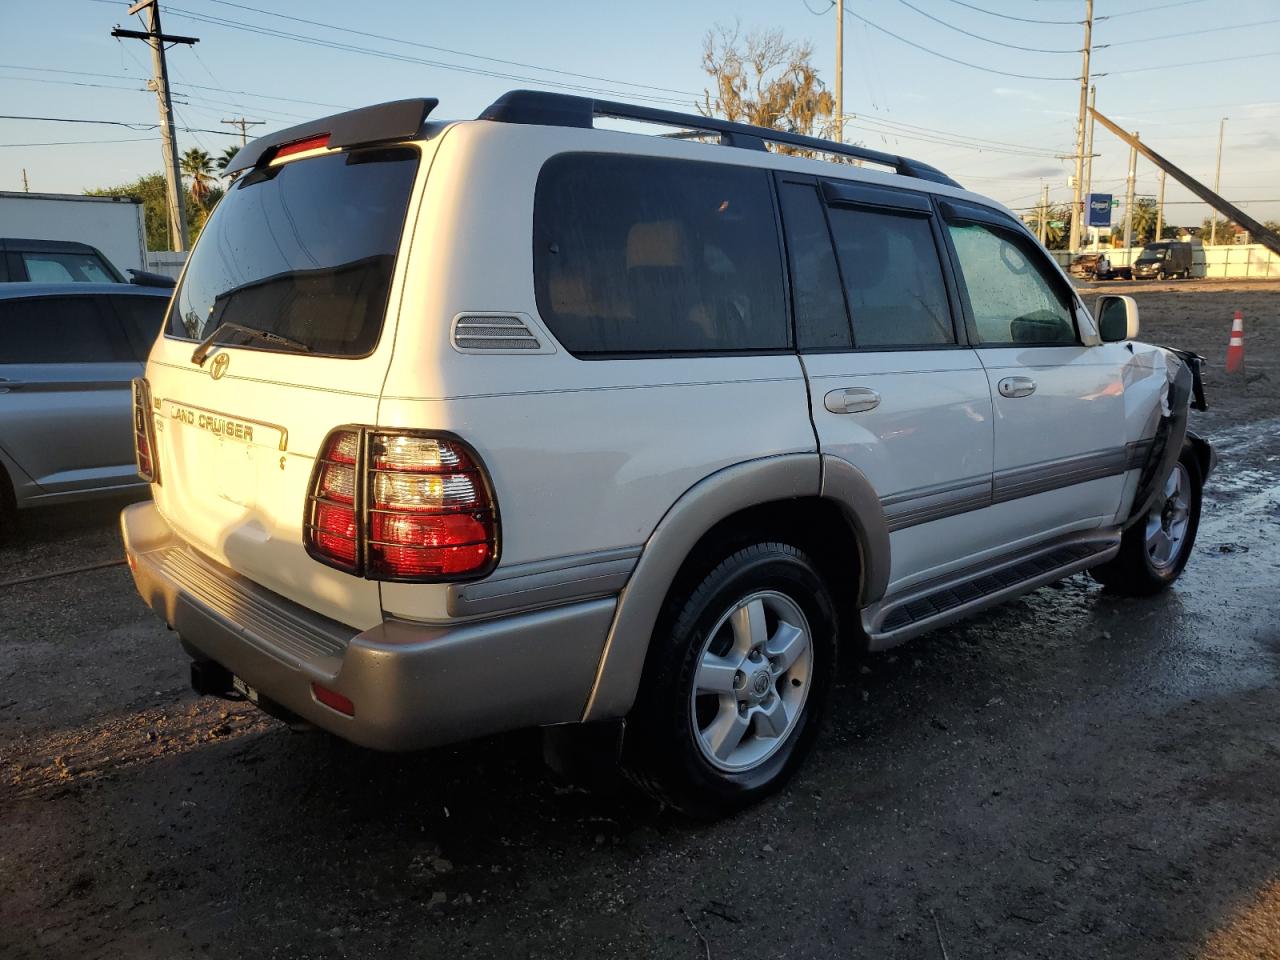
x=764, y=79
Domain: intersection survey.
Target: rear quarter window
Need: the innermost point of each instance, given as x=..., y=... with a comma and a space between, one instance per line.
x=644, y=255
x=305, y=249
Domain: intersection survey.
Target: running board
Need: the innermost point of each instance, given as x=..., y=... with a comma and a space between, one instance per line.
x=924, y=606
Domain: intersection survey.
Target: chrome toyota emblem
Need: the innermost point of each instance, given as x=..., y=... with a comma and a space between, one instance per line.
x=220, y=364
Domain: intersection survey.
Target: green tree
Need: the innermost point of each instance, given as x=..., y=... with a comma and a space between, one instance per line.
x=224, y=161
x=150, y=189
x=764, y=79
x=1226, y=232
x=198, y=165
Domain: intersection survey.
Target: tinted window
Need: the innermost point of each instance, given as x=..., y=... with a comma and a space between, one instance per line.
x=822, y=323
x=892, y=277
x=642, y=255
x=142, y=318
x=1011, y=299
x=66, y=268
x=304, y=249
x=60, y=330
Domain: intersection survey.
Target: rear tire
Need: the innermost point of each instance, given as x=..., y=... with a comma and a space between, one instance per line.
x=740, y=669
x=1155, y=550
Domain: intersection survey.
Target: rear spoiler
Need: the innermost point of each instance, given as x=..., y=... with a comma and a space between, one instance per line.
x=383, y=123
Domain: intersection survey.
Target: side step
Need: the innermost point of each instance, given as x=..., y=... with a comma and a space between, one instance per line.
x=899, y=617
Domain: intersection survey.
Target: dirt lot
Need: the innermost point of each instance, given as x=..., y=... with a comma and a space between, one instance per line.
x=1072, y=775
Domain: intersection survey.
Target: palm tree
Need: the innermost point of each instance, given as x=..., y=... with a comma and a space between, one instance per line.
x=224, y=161
x=198, y=165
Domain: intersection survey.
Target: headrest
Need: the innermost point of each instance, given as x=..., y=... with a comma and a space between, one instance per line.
x=657, y=243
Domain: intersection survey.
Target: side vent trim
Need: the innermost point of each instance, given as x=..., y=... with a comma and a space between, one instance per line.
x=503, y=333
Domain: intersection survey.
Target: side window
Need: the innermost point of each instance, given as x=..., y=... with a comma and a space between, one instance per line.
x=65, y=268
x=1011, y=300
x=822, y=322
x=60, y=330
x=892, y=278
x=142, y=317
x=636, y=255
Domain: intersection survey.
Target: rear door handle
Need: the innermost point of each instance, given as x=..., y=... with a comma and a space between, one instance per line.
x=851, y=400
x=1013, y=387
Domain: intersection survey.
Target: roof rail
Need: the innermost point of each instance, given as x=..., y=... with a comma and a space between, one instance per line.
x=565, y=110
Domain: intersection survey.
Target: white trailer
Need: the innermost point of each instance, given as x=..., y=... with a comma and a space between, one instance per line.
x=112, y=224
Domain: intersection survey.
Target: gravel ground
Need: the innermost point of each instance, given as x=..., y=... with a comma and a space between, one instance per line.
x=1071, y=775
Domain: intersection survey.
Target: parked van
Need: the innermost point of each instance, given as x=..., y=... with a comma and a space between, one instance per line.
x=1163, y=260
x=462, y=427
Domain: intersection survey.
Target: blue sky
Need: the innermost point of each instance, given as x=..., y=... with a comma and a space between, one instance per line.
x=905, y=99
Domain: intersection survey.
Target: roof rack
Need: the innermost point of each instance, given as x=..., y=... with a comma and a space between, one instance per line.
x=565, y=110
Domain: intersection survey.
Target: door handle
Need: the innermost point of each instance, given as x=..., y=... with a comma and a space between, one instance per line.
x=851, y=400
x=1012, y=387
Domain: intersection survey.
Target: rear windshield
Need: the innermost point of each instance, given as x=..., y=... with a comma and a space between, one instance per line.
x=303, y=249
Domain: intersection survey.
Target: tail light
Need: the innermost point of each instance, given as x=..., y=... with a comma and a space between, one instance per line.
x=404, y=506
x=144, y=433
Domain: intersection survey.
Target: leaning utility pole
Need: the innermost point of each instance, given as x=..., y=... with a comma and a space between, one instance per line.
x=1129, y=195
x=1217, y=184
x=241, y=122
x=1077, y=205
x=839, y=71
x=156, y=39
x=26, y=187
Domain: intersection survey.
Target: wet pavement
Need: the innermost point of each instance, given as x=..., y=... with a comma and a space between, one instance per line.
x=1070, y=775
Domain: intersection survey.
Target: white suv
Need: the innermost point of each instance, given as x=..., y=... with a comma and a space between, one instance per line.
x=461, y=427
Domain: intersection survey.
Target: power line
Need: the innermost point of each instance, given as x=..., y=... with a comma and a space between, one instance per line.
x=67, y=143
x=963, y=63
x=1009, y=16
x=1186, y=33
x=456, y=53
x=1162, y=7
x=978, y=36
x=1186, y=63
x=404, y=58
x=139, y=127
x=193, y=86
x=910, y=131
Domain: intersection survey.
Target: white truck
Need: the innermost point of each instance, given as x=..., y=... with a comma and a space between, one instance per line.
x=113, y=225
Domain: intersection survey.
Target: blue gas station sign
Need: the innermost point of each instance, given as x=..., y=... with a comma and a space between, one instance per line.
x=1099, y=210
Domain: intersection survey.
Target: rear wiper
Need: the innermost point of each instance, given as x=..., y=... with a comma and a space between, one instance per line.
x=202, y=351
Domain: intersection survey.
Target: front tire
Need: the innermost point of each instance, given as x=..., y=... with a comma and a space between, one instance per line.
x=1155, y=550
x=740, y=670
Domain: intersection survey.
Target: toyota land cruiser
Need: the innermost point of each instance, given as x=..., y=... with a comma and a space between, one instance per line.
x=462, y=427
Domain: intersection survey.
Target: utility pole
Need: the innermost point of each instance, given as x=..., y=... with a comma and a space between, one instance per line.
x=1043, y=230
x=1088, y=164
x=26, y=187
x=1077, y=206
x=1160, y=208
x=241, y=122
x=840, y=71
x=1217, y=185
x=156, y=39
x=1129, y=192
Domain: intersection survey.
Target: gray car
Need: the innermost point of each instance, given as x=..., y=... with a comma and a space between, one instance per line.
x=67, y=356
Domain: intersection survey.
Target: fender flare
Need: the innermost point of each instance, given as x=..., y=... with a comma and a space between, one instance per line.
x=706, y=503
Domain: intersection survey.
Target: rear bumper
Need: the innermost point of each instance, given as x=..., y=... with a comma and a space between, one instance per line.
x=413, y=685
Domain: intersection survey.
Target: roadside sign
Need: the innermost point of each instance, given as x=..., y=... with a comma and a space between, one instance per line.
x=1057, y=224
x=1100, y=205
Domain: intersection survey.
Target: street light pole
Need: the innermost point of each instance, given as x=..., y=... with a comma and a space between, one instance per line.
x=1217, y=185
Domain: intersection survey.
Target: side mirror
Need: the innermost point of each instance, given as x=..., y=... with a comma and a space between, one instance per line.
x=1117, y=318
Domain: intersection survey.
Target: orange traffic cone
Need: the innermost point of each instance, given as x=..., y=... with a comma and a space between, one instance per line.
x=1235, y=346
